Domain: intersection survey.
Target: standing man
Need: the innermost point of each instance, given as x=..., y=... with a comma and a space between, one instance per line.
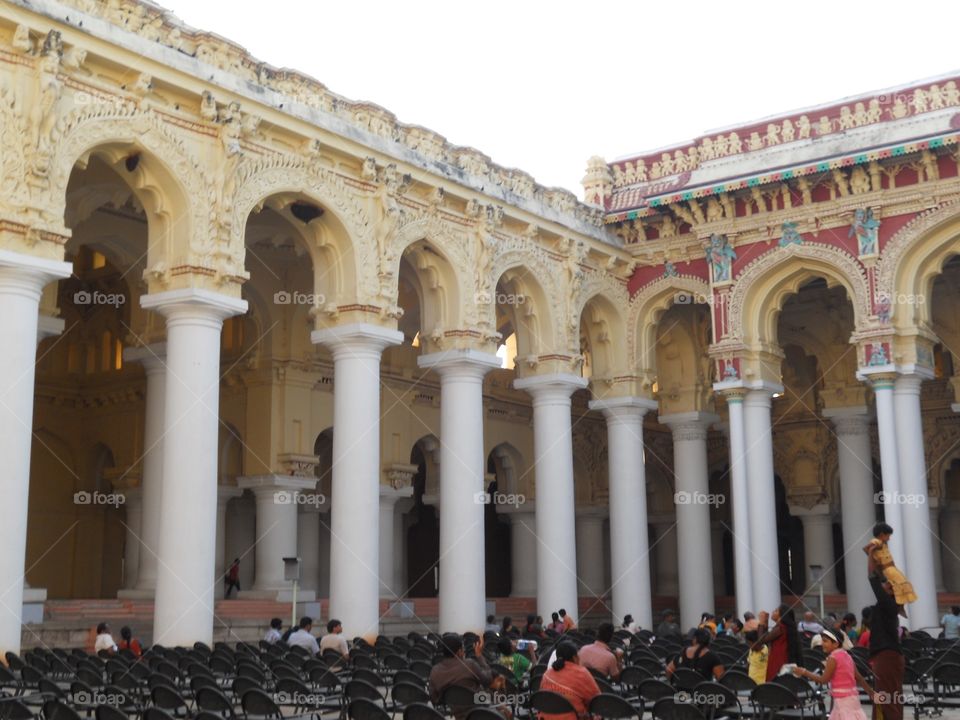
x=233, y=577
x=886, y=657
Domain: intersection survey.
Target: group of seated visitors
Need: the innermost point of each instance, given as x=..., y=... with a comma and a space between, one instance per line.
x=534, y=627
x=104, y=643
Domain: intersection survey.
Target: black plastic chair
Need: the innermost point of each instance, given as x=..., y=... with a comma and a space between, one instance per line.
x=712, y=698
x=257, y=704
x=405, y=676
x=653, y=690
x=484, y=713
x=686, y=679
x=663, y=708
x=773, y=700
x=56, y=710
x=363, y=709
x=421, y=711
x=168, y=698
x=405, y=693
x=612, y=707
x=212, y=700
x=110, y=712
x=13, y=709
x=551, y=703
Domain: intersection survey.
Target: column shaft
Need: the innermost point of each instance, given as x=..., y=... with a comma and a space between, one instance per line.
x=919, y=538
x=462, y=471
x=818, y=547
x=355, y=491
x=740, y=506
x=523, y=554
x=183, y=611
x=21, y=282
x=857, y=503
x=629, y=544
x=693, y=513
x=590, y=552
x=553, y=450
x=890, y=469
x=762, y=500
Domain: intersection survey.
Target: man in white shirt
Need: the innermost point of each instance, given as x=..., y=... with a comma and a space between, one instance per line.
x=334, y=639
x=273, y=634
x=303, y=637
x=104, y=640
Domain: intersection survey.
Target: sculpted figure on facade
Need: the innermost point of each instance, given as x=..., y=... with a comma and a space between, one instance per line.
x=803, y=127
x=866, y=228
x=720, y=256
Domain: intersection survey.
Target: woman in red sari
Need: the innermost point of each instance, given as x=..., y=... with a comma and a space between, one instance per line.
x=567, y=677
x=783, y=639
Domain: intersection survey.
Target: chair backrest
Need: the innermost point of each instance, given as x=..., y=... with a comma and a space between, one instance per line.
x=242, y=684
x=686, y=679
x=363, y=709
x=738, y=681
x=404, y=693
x=167, y=698
x=655, y=690
x=483, y=713
x=406, y=676
x=551, y=703
x=457, y=697
x=607, y=706
x=421, y=668
x=155, y=713
x=208, y=698
x=57, y=710
x=11, y=709
x=774, y=696
x=109, y=712
x=362, y=689
x=421, y=711
x=663, y=708
x=257, y=703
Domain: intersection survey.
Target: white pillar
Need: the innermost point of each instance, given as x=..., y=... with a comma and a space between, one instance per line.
x=590, y=551
x=818, y=545
x=183, y=611
x=308, y=547
x=389, y=497
x=762, y=504
x=132, y=508
x=890, y=467
x=463, y=601
x=523, y=554
x=323, y=583
x=693, y=512
x=277, y=497
x=629, y=545
x=857, y=502
x=22, y=278
x=154, y=361
x=665, y=550
x=553, y=449
x=934, y=504
x=918, y=536
x=225, y=493
x=739, y=502
x=355, y=490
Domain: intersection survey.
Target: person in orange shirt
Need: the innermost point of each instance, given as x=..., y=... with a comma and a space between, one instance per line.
x=567, y=677
x=568, y=622
x=129, y=642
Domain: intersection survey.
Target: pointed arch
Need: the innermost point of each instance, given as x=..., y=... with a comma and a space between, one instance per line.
x=645, y=310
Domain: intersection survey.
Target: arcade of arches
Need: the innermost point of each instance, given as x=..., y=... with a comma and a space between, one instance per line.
x=273, y=322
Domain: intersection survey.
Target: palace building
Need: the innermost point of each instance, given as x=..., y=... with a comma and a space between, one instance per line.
x=242, y=316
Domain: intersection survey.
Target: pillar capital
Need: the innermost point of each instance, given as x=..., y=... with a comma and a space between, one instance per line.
x=49, y=326
x=193, y=306
x=689, y=425
x=552, y=388
x=909, y=383
x=852, y=420
x=619, y=409
x=27, y=274
x=356, y=339
x=269, y=484
x=464, y=363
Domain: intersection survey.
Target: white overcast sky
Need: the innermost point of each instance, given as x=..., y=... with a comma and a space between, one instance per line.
x=542, y=86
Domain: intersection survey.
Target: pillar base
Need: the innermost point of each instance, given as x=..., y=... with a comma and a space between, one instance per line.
x=34, y=595
x=278, y=594
x=135, y=594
